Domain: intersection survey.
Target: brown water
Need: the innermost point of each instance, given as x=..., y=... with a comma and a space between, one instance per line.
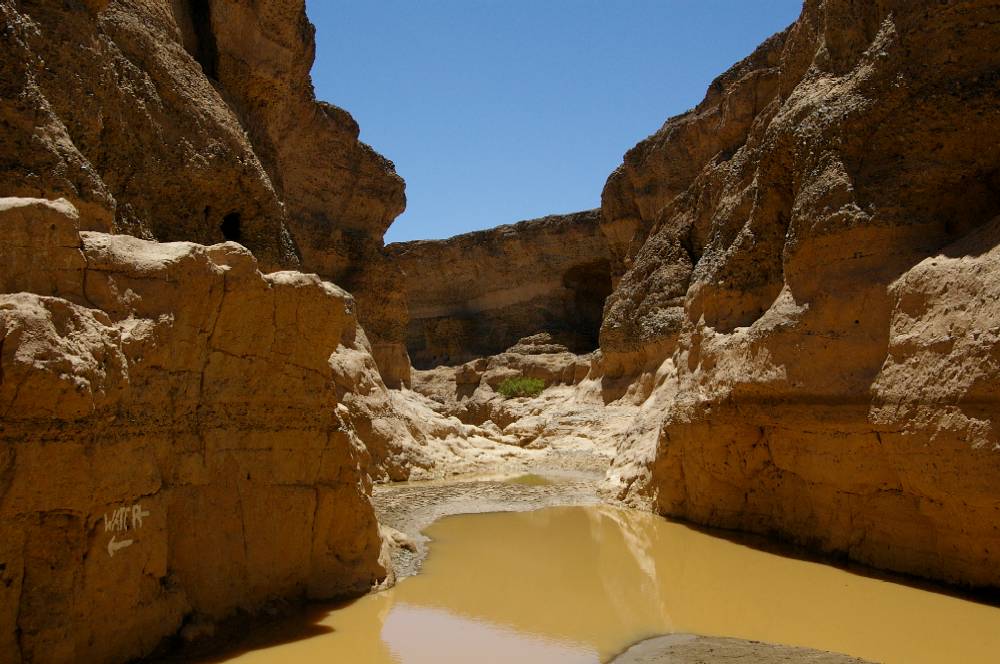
x=579, y=584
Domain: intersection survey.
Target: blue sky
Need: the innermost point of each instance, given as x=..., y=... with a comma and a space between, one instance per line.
x=496, y=111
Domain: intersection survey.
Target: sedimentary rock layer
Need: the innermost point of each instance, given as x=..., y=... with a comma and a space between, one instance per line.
x=196, y=120
x=476, y=294
x=811, y=268
x=178, y=438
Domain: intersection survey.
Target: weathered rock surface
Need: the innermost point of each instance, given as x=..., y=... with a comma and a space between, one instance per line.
x=566, y=427
x=179, y=439
x=341, y=195
x=102, y=105
x=825, y=337
x=468, y=391
x=196, y=120
x=476, y=294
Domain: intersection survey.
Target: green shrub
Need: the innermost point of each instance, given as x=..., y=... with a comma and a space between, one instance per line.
x=521, y=387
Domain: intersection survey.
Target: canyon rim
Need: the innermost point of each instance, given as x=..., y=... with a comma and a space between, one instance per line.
x=784, y=318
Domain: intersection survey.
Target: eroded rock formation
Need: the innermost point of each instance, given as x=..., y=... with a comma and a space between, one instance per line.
x=476, y=294
x=800, y=336
x=340, y=194
x=196, y=120
x=102, y=105
x=184, y=436
x=806, y=299
x=160, y=463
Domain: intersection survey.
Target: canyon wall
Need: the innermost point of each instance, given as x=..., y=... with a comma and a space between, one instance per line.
x=179, y=438
x=477, y=294
x=186, y=431
x=810, y=271
x=196, y=120
x=341, y=195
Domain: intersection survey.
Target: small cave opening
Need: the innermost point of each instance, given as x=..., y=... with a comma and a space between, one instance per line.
x=206, y=51
x=589, y=285
x=230, y=228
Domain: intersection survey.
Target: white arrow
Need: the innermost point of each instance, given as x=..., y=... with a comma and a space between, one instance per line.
x=114, y=546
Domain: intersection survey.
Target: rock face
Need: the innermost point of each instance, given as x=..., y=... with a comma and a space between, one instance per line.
x=158, y=464
x=196, y=120
x=340, y=194
x=476, y=294
x=811, y=270
x=103, y=106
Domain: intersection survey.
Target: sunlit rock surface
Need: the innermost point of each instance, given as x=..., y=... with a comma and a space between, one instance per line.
x=176, y=439
x=196, y=120
x=815, y=293
x=476, y=294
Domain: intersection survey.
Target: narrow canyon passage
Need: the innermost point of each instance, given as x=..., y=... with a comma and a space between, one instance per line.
x=684, y=423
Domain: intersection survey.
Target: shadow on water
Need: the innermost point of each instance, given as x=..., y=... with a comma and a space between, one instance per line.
x=777, y=545
x=244, y=633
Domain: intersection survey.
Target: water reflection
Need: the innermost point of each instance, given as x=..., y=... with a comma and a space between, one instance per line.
x=414, y=634
x=579, y=584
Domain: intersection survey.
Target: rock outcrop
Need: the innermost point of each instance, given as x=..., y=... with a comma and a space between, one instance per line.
x=476, y=294
x=469, y=391
x=196, y=120
x=179, y=438
x=102, y=105
x=810, y=271
x=340, y=194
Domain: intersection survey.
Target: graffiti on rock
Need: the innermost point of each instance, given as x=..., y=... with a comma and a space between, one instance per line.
x=123, y=520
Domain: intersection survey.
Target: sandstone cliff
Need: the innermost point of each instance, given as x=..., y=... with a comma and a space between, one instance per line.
x=160, y=464
x=196, y=120
x=476, y=294
x=341, y=195
x=824, y=350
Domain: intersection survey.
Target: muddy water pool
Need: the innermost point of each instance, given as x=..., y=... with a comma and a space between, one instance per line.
x=580, y=584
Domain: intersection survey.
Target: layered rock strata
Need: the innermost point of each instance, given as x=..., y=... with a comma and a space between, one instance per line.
x=476, y=294
x=811, y=275
x=196, y=120
x=179, y=438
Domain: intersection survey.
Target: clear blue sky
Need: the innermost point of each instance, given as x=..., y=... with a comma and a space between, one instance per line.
x=500, y=110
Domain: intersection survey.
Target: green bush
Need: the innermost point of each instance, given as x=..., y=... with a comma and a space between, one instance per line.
x=521, y=387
